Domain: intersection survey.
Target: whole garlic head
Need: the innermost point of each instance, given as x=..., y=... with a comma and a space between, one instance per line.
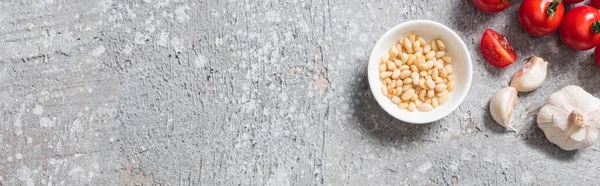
x=502, y=105
x=531, y=76
x=571, y=118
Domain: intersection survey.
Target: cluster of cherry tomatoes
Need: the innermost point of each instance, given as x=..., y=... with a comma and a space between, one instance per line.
x=579, y=28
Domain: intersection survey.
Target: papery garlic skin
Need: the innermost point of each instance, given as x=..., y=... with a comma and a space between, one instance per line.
x=502, y=105
x=571, y=118
x=531, y=76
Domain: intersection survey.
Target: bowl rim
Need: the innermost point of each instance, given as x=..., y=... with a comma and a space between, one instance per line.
x=380, y=99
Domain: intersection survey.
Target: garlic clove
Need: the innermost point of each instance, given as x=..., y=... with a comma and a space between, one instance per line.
x=531, y=76
x=502, y=105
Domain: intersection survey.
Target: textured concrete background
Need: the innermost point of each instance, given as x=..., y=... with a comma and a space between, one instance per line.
x=242, y=92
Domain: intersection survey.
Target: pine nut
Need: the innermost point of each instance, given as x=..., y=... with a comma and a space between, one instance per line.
x=430, y=93
x=422, y=94
x=439, y=64
x=408, y=94
x=440, y=87
x=403, y=105
x=384, y=75
x=441, y=45
x=418, y=102
x=407, y=81
x=422, y=84
x=422, y=41
x=393, y=84
x=391, y=66
x=384, y=90
x=423, y=73
x=411, y=59
x=446, y=81
x=435, y=74
x=414, y=97
x=429, y=65
x=440, y=54
x=399, y=48
x=385, y=57
x=396, y=100
x=398, y=62
x=391, y=92
x=404, y=67
x=419, y=55
x=393, y=52
x=404, y=57
x=443, y=99
x=415, y=77
x=398, y=90
x=447, y=59
x=382, y=68
x=405, y=74
x=411, y=107
x=417, y=45
x=433, y=45
x=396, y=74
x=448, y=69
x=451, y=85
x=430, y=55
x=434, y=102
x=425, y=107
x=450, y=77
x=443, y=73
x=388, y=81
x=427, y=48
x=430, y=84
x=412, y=37
x=407, y=44
x=414, y=68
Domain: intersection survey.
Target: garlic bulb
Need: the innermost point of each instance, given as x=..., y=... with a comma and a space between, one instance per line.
x=502, y=105
x=571, y=118
x=531, y=76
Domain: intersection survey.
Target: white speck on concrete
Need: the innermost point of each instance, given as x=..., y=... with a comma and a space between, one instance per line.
x=19, y=156
x=98, y=51
x=46, y=122
x=139, y=38
x=425, y=167
x=180, y=13
x=200, y=61
x=38, y=110
x=90, y=90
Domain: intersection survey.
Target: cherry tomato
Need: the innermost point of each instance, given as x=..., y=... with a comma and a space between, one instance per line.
x=580, y=28
x=595, y=3
x=572, y=1
x=491, y=6
x=496, y=49
x=541, y=17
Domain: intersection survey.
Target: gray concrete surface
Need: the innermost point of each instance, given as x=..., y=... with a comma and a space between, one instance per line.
x=239, y=92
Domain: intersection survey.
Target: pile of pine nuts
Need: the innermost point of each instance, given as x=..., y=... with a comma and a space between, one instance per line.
x=417, y=75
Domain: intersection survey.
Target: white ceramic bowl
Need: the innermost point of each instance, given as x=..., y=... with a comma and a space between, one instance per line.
x=461, y=65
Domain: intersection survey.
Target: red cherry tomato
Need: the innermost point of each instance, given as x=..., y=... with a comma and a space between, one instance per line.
x=572, y=1
x=597, y=56
x=595, y=3
x=496, y=49
x=541, y=17
x=491, y=6
x=580, y=28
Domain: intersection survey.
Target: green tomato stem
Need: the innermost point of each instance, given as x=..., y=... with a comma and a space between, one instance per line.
x=596, y=27
x=552, y=7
